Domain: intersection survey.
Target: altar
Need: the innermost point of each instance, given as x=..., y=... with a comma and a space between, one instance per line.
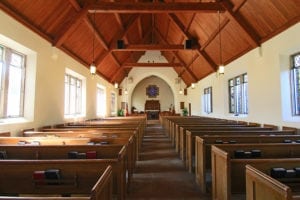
x=152, y=109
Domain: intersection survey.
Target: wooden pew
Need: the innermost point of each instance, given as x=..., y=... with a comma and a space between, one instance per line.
x=228, y=173
x=4, y=133
x=203, y=150
x=86, y=179
x=128, y=141
x=190, y=139
x=89, y=133
x=260, y=185
x=113, y=155
x=206, y=129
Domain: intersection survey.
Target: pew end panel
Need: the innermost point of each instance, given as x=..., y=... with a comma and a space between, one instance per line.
x=200, y=170
x=222, y=171
x=260, y=186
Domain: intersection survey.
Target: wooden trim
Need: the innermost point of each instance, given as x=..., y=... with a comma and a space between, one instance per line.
x=155, y=7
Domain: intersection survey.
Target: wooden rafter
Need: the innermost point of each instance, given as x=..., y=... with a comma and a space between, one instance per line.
x=180, y=26
x=178, y=57
x=214, y=34
x=118, y=36
x=98, y=35
x=159, y=47
x=251, y=34
x=155, y=7
x=131, y=65
x=23, y=20
x=70, y=27
x=74, y=56
x=116, y=72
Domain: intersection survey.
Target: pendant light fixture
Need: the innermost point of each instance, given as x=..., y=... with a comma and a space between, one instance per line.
x=221, y=67
x=93, y=66
x=180, y=89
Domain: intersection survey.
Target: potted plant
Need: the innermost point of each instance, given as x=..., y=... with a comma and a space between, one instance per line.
x=185, y=112
x=120, y=112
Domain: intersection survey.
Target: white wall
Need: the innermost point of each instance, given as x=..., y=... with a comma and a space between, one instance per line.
x=49, y=78
x=165, y=97
x=139, y=74
x=268, y=81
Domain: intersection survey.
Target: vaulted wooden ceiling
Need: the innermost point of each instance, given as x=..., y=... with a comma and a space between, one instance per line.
x=76, y=26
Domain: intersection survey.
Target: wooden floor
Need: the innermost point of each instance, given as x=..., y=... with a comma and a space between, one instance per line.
x=160, y=173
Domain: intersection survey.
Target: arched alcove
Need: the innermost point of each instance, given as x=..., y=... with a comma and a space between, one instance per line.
x=165, y=94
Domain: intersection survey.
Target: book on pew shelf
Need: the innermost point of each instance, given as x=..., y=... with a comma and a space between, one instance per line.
x=91, y=143
x=81, y=155
x=255, y=153
x=39, y=177
x=278, y=172
x=297, y=170
x=287, y=141
x=21, y=142
x=297, y=141
x=232, y=142
x=72, y=154
x=290, y=173
x=52, y=176
x=104, y=142
x=239, y=154
x=219, y=142
x=247, y=154
x=91, y=155
x=3, y=155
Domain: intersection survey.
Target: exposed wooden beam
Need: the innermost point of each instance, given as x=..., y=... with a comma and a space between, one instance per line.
x=70, y=27
x=116, y=72
x=75, y=5
x=131, y=65
x=159, y=47
x=23, y=20
x=178, y=57
x=251, y=34
x=76, y=57
x=180, y=26
x=98, y=35
x=214, y=34
x=155, y=7
x=140, y=28
x=120, y=22
x=118, y=36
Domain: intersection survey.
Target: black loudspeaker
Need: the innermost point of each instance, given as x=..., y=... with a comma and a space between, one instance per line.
x=120, y=44
x=188, y=44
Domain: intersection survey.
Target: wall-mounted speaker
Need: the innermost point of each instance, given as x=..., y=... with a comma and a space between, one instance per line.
x=120, y=44
x=188, y=44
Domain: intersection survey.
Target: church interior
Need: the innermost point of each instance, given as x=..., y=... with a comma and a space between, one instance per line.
x=150, y=99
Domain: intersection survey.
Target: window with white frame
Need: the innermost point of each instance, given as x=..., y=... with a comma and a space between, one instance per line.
x=74, y=95
x=295, y=81
x=238, y=94
x=12, y=83
x=208, y=100
x=101, y=101
x=113, y=103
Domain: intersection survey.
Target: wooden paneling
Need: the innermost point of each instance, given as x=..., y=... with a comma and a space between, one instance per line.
x=69, y=25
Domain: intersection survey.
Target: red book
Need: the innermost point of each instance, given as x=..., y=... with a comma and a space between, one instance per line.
x=91, y=155
x=39, y=177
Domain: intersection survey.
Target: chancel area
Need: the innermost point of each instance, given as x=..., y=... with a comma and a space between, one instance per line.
x=151, y=99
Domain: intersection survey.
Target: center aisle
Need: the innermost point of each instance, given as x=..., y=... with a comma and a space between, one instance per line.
x=160, y=174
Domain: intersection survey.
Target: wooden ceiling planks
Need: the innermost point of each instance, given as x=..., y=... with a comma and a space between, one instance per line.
x=69, y=25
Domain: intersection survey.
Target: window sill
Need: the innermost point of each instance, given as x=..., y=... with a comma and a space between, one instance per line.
x=74, y=116
x=14, y=120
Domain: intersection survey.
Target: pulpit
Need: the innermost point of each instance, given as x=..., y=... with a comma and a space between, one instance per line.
x=152, y=109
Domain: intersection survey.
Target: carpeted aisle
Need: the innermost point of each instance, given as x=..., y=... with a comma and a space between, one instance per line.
x=160, y=174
